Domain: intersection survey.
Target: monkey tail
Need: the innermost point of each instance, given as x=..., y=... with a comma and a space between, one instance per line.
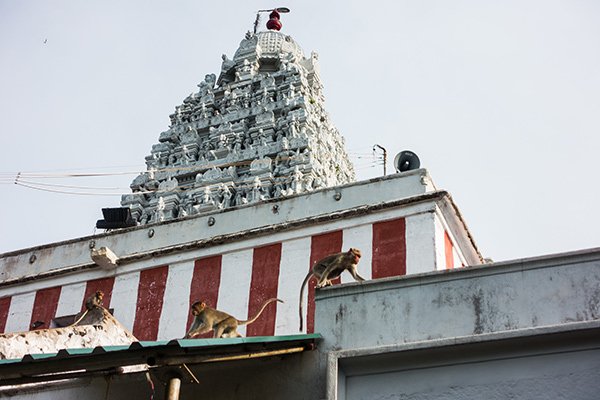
x=84, y=314
x=249, y=321
x=80, y=318
x=301, y=297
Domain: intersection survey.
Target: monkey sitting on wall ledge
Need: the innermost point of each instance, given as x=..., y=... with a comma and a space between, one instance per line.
x=94, y=301
x=331, y=267
x=207, y=319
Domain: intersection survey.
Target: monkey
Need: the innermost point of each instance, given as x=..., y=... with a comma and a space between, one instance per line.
x=224, y=325
x=94, y=300
x=91, y=302
x=331, y=267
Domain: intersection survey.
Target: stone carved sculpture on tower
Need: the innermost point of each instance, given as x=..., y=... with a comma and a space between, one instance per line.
x=258, y=131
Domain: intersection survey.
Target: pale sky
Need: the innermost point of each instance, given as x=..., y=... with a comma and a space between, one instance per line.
x=500, y=100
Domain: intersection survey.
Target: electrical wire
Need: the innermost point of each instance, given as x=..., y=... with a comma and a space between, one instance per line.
x=21, y=181
x=74, y=175
x=65, y=192
x=363, y=161
x=50, y=174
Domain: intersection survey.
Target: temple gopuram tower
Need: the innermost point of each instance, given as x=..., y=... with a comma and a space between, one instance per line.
x=259, y=131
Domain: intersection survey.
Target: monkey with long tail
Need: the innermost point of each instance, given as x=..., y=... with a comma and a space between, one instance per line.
x=224, y=325
x=329, y=268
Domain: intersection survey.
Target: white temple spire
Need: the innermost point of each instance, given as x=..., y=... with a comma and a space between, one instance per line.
x=258, y=131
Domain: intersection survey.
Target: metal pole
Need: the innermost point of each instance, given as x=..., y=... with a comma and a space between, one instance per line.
x=384, y=162
x=384, y=158
x=173, y=389
x=256, y=21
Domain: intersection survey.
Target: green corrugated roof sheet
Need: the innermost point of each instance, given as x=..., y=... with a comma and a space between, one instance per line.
x=183, y=343
x=232, y=341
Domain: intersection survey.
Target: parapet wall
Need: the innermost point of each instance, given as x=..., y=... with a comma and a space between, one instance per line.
x=520, y=329
x=501, y=297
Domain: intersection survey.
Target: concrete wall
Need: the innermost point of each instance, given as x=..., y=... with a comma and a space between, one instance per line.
x=534, y=367
x=441, y=334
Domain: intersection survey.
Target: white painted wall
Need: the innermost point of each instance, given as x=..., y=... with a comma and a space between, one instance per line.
x=234, y=292
x=124, y=296
x=360, y=237
x=291, y=273
x=68, y=293
x=19, y=315
x=420, y=239
x=174, y=315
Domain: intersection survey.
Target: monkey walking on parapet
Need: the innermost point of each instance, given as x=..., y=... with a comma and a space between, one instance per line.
x=331, y=267
x=225, y=325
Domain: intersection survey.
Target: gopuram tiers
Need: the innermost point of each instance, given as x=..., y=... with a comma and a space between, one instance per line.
x=258, y=132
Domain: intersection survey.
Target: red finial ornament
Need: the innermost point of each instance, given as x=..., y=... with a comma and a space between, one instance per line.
x=273, y=22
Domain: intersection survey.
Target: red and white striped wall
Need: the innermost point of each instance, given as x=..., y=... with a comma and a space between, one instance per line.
x=447, y=254
x=153, y=300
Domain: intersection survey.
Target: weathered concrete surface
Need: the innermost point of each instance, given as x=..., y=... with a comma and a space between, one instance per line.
x=526, y=329
x=559, y=375
x=97, y=328
x=535, y=292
